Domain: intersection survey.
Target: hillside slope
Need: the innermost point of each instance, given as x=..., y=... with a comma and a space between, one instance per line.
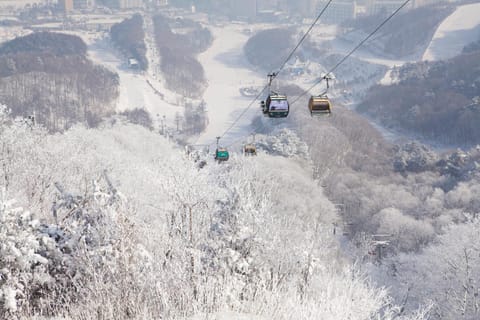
x=455, y=32
x=436, y=101
x=143, y=228
x=48, y=75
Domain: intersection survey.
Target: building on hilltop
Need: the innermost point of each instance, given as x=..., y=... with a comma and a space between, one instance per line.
x=83, y=4
x=244, y=8
x=421, y=3
x=123, y=4
x=388, y=6
x=338, y=11
x=305, y=8
x=65, y=5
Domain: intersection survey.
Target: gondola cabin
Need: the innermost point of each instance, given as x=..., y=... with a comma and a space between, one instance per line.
x=319, y=105
x=221, y=154
x=250, y=150
x=276, y=106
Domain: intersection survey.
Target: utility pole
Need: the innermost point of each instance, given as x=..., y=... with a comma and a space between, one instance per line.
x=164, y=124
x=159, y=121
x=338, y=211
x=380, y=241
x=177, y=120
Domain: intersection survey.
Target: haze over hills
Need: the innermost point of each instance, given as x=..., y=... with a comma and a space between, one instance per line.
x=133, y=218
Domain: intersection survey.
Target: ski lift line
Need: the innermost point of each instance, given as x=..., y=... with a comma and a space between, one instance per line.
x=254, y=131
x=353, y=50
x=244, y=111
x=328, y=73
x=275, y=74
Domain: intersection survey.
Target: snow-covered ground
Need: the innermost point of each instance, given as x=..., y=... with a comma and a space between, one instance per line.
x=20, y=3
x=137, y=89
x=226, y=70
x=10, y=33
x=225, y=316
x=459, y=29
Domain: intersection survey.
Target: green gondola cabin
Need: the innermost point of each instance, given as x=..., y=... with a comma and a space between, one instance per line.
x=221, y=154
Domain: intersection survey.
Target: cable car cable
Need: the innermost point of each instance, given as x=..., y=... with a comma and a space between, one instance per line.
x=254, y=130
x=243, y=112
x=301, y=40
x=337, y=65
x=275, y=74
x=353, y=50
x=331, y=70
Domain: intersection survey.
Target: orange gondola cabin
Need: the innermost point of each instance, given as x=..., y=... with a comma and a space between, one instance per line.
x=319, y=106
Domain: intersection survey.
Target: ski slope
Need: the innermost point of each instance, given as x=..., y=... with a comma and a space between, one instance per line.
x=137, y=89
x=457, y=30
x=226, y=70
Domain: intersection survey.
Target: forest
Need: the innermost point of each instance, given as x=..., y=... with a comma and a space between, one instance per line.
x=115, y=222
x=413, y=198
x=437, y=101
x=129, y=37
x=47, y=75
x=182, y=71
x=108, y=219
x=267, y=48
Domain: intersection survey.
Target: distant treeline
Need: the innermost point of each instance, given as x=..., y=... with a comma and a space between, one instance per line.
x=182, y=71
x=407, y=33
x=435, y=100
x=472, y=47
x=269, y=48
x=129, y=37
x=48, y=74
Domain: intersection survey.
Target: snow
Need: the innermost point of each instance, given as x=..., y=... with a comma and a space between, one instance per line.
x=20, y=3
x=226, y=71
x=9, y=299
x=226, y=315
x=459, y=29
x=136, y=88
x=10, y=33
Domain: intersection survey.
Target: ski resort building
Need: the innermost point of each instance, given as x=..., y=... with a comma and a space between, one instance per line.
x=124, y=4
x=339, y=11
x=389, y=6
x=65, y=5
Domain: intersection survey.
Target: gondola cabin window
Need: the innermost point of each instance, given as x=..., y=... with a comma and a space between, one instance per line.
x=279, y=105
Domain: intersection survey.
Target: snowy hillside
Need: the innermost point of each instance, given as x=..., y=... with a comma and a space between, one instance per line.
x=143, y=228
x=227, y=70
x=328, y=221
x=137, y=90
x=454, y=33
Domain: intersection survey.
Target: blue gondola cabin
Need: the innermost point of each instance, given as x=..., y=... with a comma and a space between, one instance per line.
x=276, y=106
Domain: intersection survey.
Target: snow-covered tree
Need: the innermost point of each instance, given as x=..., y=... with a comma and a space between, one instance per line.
x=447, y=273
